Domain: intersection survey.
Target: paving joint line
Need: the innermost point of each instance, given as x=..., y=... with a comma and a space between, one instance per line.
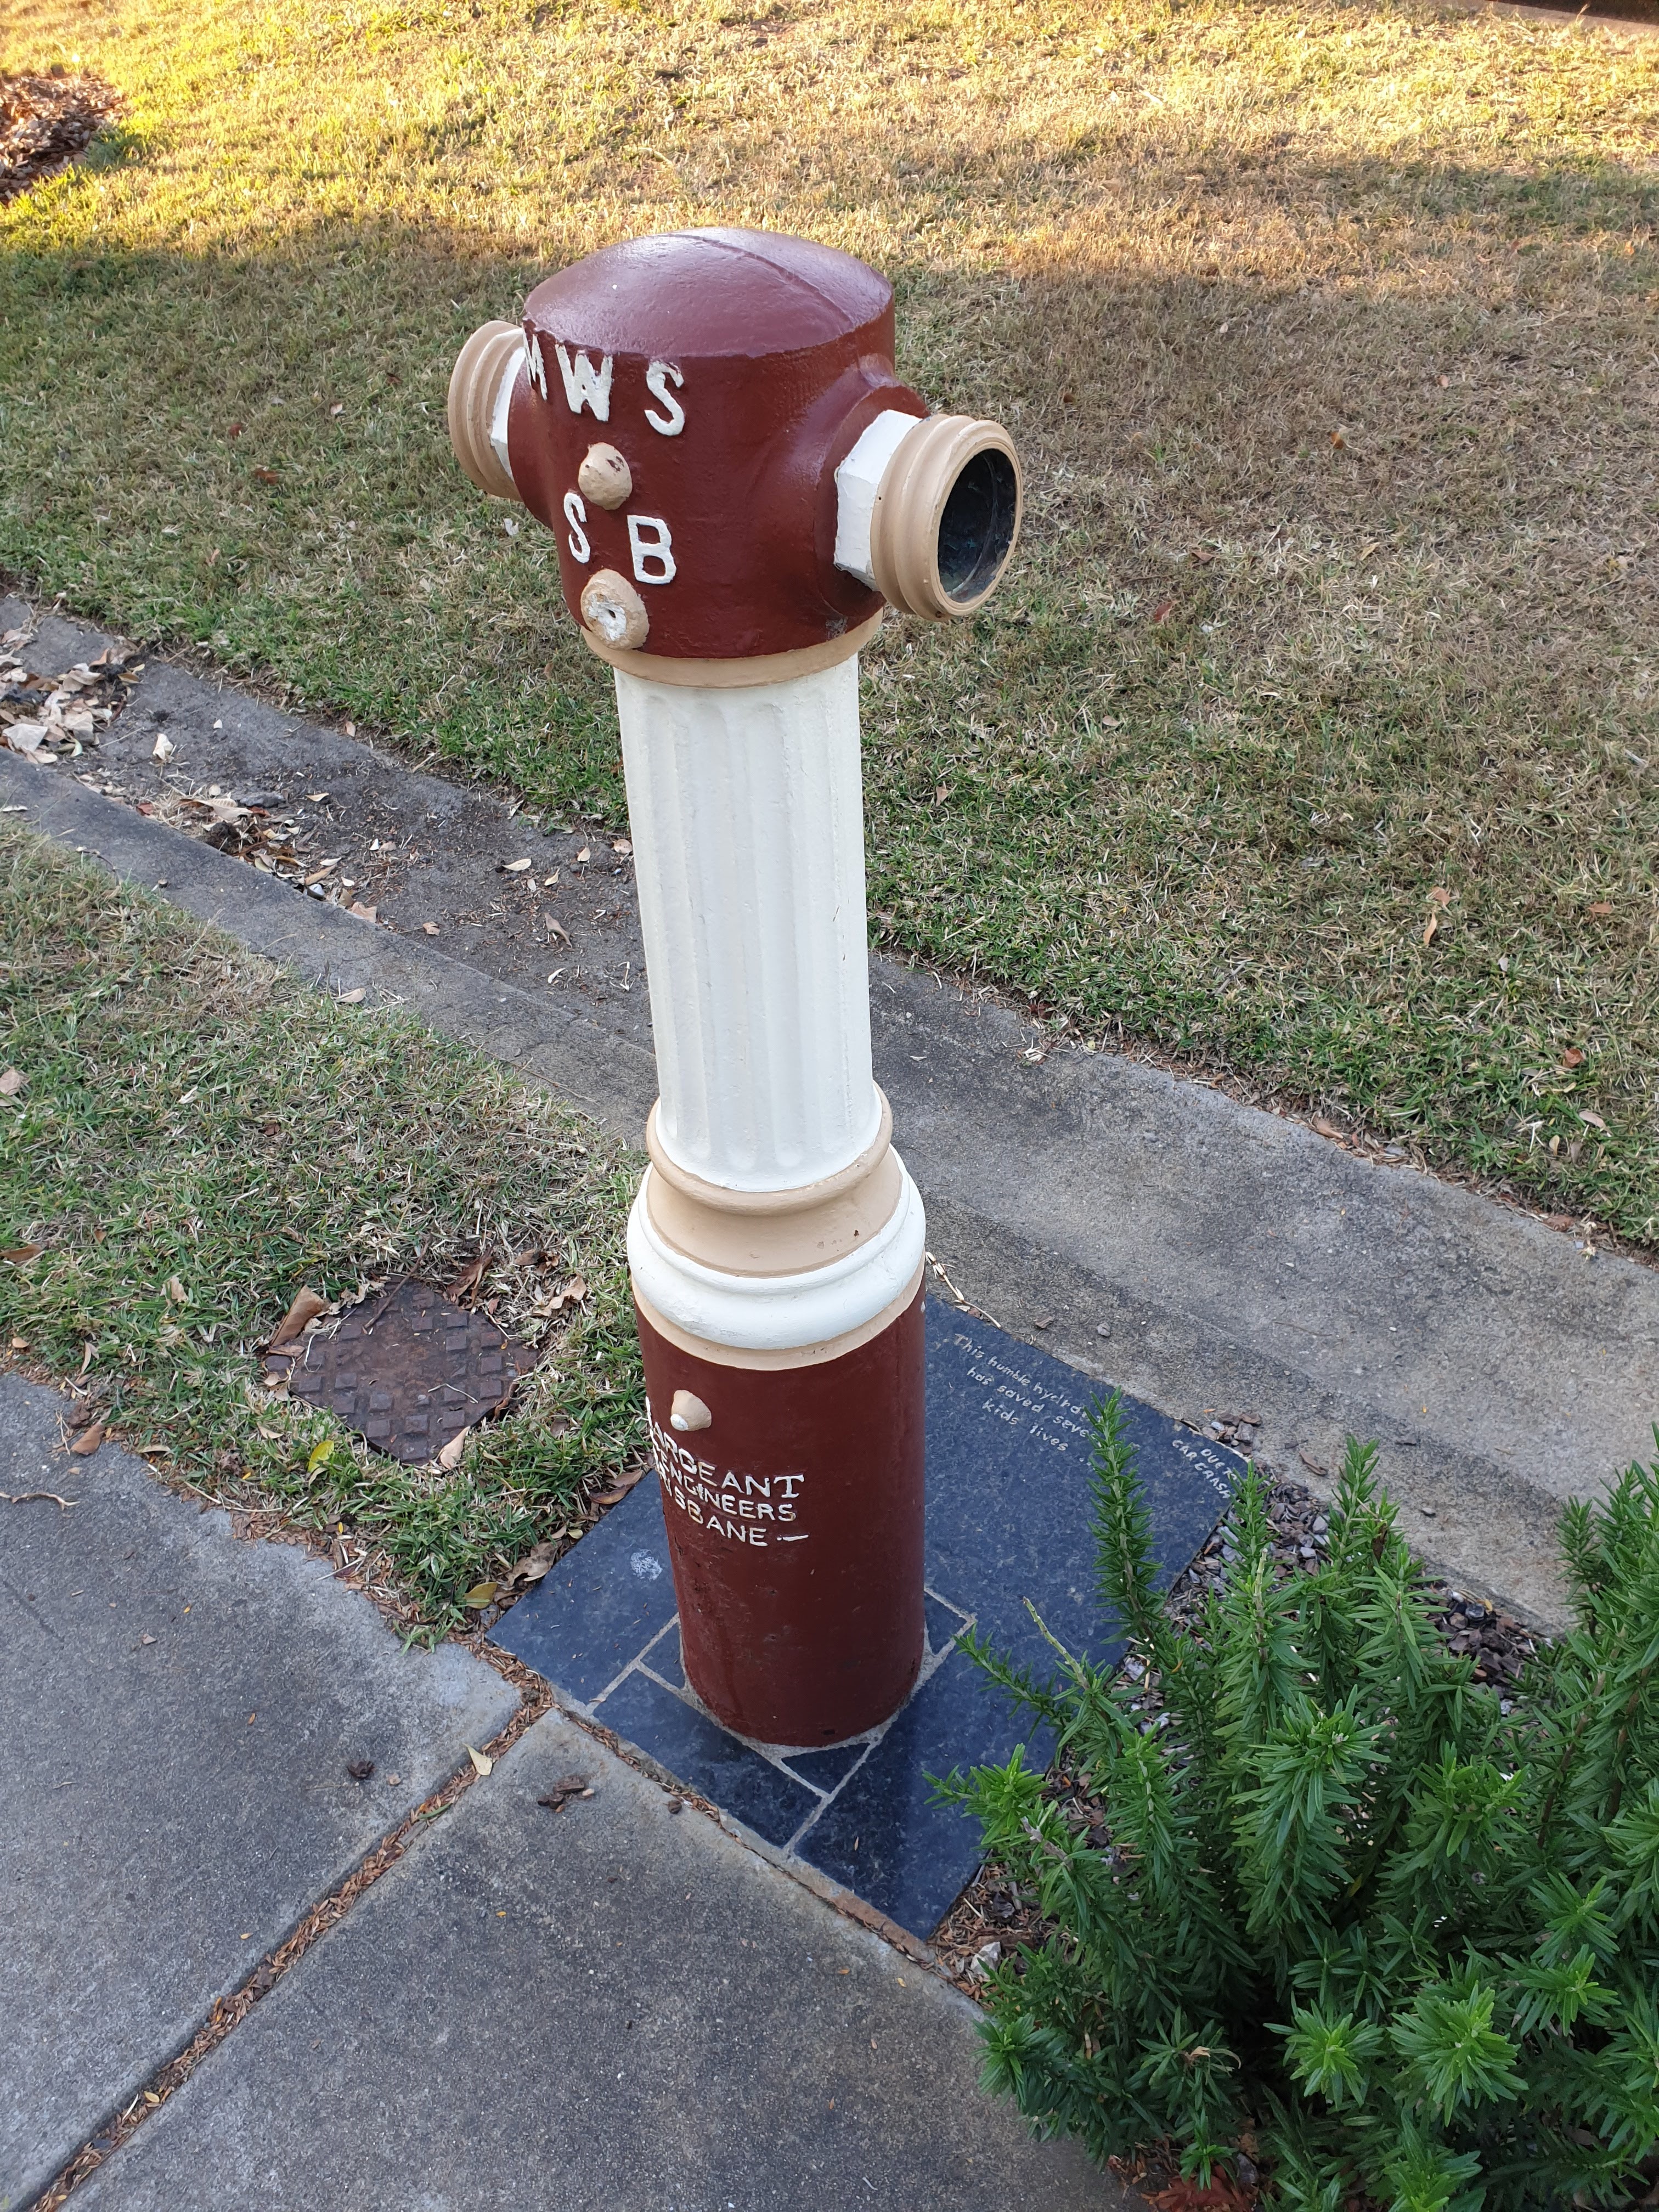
x=228, y=2013
x=538, y=1697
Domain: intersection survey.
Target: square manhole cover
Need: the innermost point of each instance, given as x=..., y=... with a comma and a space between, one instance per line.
x=407, y=1370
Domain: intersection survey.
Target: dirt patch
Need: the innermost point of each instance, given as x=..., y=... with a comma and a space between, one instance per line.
x=44, y=122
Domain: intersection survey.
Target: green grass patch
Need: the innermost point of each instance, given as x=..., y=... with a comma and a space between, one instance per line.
x=1325, y=330
x=198, y=1134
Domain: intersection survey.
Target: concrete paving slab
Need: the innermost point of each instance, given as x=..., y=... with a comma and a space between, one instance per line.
x=1239, y=1260
x=176, y=1713
x=605, y=2009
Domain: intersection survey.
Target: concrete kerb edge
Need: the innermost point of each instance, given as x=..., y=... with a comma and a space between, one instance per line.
x=330, y=949
x=553, y=1042
x=333, y=951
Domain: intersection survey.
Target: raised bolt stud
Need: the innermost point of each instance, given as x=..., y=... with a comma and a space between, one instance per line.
x=614, y=611
x=687, y=1412
x=604, y=477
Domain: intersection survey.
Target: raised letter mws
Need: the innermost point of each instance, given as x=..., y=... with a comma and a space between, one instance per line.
x=585, y=385
x=658, y=378
x=575, y=514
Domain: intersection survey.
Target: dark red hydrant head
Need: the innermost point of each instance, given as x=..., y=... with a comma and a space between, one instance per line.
x=686, y=401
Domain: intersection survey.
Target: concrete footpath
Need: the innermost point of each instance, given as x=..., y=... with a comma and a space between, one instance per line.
x=1210, y=1257
x=615, y=2005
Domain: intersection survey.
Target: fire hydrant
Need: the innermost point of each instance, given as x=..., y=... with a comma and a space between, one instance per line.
x=711, y=422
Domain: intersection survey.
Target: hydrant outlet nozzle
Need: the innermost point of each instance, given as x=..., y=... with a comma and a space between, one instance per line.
x=928, y=510
x=480, y=386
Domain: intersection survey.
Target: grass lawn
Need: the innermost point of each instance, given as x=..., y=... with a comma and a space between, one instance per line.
x=1326, y=330
x=198, y=1135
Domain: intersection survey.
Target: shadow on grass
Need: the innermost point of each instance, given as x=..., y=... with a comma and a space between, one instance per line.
x=1334, y=595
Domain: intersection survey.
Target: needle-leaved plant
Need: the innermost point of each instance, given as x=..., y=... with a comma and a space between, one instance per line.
x=1346, y=1902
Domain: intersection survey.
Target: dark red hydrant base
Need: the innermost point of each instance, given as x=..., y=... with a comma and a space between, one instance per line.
x=795, y=1524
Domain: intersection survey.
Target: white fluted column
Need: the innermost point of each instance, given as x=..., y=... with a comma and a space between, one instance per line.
x=745, y=808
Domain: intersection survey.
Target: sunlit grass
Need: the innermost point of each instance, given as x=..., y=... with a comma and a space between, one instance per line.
x=1326, y=334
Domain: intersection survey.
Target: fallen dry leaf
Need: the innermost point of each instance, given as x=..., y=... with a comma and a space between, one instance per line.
x=624, y=846
x=1572, y=1058
x=481, y=1760
x=480, y=1594
x=352, y=998
x=11, y=1083
x=1163, y=610
x=556, y=928
x=450, y=1456
x=515, y=867
x=530, y=1568
x=430, y=927
x=567, y=1786
x=1325, y=1128
x=89, y=1441
x=176, y=1291
x=1223, y=2194
x=1434, y=924
x=45, y=1497
x=1600, y=909
x=1440, y=896
x=363, y=913
x=582, y=855
x=164, y=748
x=1594, y=1120
x=265, y=475
x=306, y=1305
x=18, y=1253
x=470, y=1278
x=619, y=1490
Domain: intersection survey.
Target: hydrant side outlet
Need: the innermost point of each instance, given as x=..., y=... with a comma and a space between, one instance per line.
x=711, y=422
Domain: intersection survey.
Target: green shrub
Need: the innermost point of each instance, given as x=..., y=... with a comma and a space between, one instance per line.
x=1345, y=1901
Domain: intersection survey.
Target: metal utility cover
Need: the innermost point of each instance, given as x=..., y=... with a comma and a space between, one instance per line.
x=407, y=1370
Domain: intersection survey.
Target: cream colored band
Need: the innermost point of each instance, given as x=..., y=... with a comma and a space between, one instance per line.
x=737, y=675
x=805, y=1355
x=774, y=1232
x=473, y=383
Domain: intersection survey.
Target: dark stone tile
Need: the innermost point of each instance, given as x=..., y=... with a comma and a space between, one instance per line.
x=603, y=1602
x=826, y=1769
x=700, y=1754
x=882, y=1836
x=1008, y=1514
x=1008, y=1497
